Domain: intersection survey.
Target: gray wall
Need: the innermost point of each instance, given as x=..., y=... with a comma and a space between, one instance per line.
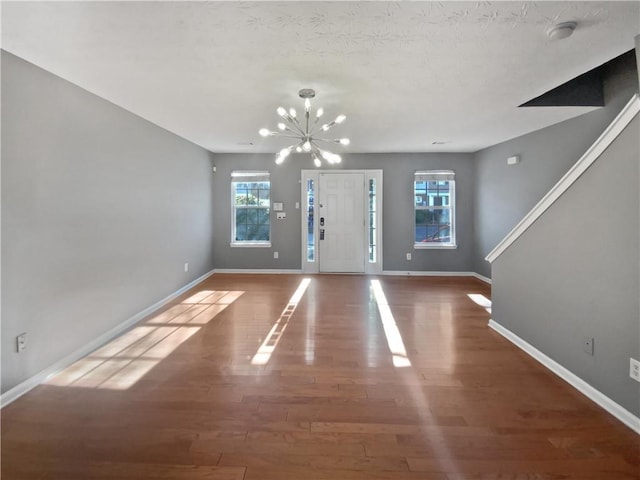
x=575, y=272
x=100, y=211
x=398, y=215
x=505, y=194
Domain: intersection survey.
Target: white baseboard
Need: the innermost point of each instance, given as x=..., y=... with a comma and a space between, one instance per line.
x=398, y=273
x=32, y=382
x=420, y=273
x=254, y=271
x=482, y=277
x=621, y=413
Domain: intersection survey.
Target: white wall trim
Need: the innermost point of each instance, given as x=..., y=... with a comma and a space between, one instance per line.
x=623, y=119
x=622, y=414
x=482, y=277
x=420, y=273
x=256, y=271
x=398, y=273
x=32, y=382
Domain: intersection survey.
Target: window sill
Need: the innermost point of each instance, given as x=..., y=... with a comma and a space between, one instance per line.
x=434, y=246
x=250, y=244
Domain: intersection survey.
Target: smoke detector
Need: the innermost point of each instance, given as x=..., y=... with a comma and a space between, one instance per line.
x=561, y=30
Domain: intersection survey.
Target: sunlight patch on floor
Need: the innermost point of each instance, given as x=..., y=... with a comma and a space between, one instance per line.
x=263, y=355
x=122, y=362
x=394, y=339
x=481, y=300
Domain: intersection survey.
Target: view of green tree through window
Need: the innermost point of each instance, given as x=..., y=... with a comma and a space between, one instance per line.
x=251, y=208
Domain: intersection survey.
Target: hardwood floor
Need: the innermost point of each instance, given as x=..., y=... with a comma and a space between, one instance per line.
x=269, y=377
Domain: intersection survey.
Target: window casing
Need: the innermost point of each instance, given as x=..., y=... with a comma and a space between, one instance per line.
x=251, y=208
x=434, y=209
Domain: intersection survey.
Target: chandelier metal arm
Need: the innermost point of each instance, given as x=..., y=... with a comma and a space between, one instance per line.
x=278, y=134
x=295, y=124
x=337, y=140
x=313, y=127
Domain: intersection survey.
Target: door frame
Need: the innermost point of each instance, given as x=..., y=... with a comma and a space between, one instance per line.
x=371, y=266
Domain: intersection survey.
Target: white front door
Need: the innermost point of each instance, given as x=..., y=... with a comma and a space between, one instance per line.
x=341, y=222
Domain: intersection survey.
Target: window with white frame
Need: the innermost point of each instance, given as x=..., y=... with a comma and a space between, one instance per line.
x=434, y=209
x=251, y=206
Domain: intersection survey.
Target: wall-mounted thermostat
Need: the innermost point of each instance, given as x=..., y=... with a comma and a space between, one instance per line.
x=513, y=160
x=277, y=207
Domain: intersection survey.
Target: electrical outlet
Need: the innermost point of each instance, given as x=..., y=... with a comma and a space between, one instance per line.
x=186, y=267
x=275, y=254
x=587, y=345
x=21, y=342
x=634, y=369
x=408, y=256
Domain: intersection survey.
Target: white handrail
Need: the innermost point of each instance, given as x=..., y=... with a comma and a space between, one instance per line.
x=621, y=121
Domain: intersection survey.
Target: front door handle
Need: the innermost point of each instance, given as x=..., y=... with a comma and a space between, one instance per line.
x=322, y=234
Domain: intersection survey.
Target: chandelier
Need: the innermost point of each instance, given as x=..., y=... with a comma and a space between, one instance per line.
x=305, y=133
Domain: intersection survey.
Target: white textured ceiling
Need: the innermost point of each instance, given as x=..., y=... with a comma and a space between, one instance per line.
x=406, y=74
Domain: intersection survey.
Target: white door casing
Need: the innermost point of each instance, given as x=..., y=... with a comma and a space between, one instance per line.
x=352, y=210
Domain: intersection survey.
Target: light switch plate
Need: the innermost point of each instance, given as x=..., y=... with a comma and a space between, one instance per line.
x=281, y=215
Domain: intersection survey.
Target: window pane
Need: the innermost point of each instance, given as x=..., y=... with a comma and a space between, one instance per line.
x=254, y=194
x=372, y=221
x=241, y=232
x=262, y=233
x=443, y=216
x=423, y=216
x=241, y=196
x=263, y=216
x=263, y=197
x=252, y=215
x=310, y=221
x=252, y=232
x=433, y=225
x=421, y=233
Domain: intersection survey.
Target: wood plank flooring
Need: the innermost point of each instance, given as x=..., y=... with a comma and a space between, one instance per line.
x=271, y=377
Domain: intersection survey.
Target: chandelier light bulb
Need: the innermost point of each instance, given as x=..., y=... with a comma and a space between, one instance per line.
x=284, y=153
x=303, y=132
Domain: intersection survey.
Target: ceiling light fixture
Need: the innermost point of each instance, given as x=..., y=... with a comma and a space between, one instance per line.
x=306, y=134
x=561, y=30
